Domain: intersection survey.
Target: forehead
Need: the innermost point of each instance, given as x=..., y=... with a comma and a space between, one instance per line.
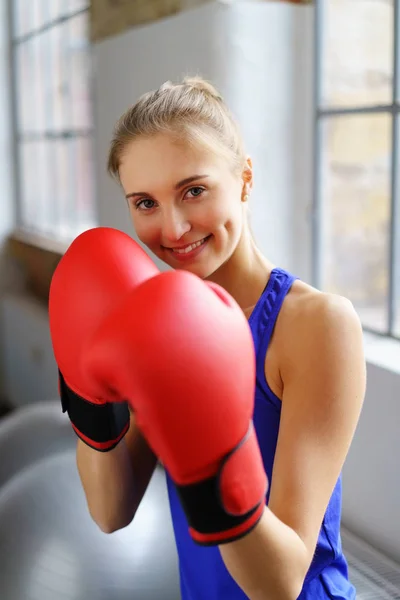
x=161, y=159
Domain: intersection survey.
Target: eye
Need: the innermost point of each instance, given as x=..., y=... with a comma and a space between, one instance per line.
x=196, y=191
x=145, y=204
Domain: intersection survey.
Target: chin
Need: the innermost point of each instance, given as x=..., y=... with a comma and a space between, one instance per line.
x=198, y=270
x=204, y=270
x=204, y=266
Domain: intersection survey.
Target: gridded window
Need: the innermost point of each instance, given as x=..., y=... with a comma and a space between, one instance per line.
x=53, y=116
x=356, y=204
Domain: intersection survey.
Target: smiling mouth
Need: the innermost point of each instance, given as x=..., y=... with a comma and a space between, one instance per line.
x=190, y=247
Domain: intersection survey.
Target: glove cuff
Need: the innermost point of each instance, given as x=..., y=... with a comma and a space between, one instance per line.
x=100, y=426
x=229, y=504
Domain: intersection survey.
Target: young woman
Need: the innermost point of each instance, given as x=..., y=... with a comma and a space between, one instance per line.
x=180, y=160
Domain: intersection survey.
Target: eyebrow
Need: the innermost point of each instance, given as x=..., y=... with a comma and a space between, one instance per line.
x=176, y=187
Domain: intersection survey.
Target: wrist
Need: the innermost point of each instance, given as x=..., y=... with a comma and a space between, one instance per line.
x=100, y=426
x=227, y=504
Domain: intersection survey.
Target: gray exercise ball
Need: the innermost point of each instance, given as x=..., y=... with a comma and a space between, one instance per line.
x=49, y=546
x=30, y=433
x=51, y=549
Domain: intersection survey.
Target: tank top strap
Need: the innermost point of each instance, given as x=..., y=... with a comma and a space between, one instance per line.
x=263, y=318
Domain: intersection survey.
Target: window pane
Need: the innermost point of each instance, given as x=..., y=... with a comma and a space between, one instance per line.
x=75, y=5
x=80, y=75
x=63, y=188
x=25, y=76
x=58, y=78
x=30, y=15
x=73, y=185
x=40, y=9
x=47, y=11
x=34, y=186
x=57, y=8
x=355, y=187
x=84, y=190
x=42, y=77
x=51, y=217
x=23, y=16
x=30, y=109
x=54, y=121
x=357, y=52
x=28, y=164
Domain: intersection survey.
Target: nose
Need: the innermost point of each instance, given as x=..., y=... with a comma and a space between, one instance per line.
x=174, y=226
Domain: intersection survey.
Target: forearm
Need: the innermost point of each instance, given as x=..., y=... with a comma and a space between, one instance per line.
x=270, y=563
x=107, y=480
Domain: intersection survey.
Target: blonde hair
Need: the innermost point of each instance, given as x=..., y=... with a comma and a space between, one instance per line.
x=192, y=110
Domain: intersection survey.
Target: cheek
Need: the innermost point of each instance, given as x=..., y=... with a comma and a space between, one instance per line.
x=209, y=218
x=218, y=211
x=227, y=213
x=146, y=229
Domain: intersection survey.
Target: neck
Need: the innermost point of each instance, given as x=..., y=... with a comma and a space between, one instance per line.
x=245, y=274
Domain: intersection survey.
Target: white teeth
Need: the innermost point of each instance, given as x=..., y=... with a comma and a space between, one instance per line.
x=188, y=248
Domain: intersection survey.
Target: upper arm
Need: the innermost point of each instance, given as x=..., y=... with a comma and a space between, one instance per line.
x=142, y=458
x=324, y=377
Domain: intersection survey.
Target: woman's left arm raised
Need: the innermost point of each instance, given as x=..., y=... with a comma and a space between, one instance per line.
x=324, y=379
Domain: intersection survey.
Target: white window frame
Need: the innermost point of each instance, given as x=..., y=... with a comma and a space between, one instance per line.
x=36, y=237
x=321, y=115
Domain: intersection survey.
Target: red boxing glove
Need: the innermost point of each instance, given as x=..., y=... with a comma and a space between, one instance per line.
x=99, y=268
x=181, y=351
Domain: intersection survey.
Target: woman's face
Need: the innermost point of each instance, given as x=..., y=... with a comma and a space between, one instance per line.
x=185, y=203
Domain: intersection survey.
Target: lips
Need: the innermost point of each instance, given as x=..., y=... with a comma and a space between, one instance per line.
x=190, y=251
x=189, y=247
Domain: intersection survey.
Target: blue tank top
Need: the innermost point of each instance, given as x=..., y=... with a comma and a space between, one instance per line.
x=203, y=575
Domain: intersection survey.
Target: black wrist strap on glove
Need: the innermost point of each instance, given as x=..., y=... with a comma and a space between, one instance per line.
x=208, y=522
x=228, y=504
x=100, y=426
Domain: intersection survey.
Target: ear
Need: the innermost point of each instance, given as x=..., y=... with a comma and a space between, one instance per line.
x=247, y=177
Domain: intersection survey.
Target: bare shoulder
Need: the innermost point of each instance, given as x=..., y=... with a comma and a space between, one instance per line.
x=322, y=368
x=306, y=302
x=316, y=325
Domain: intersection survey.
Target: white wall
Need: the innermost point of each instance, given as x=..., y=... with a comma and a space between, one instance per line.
x=371, y=484
x=27, y=351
